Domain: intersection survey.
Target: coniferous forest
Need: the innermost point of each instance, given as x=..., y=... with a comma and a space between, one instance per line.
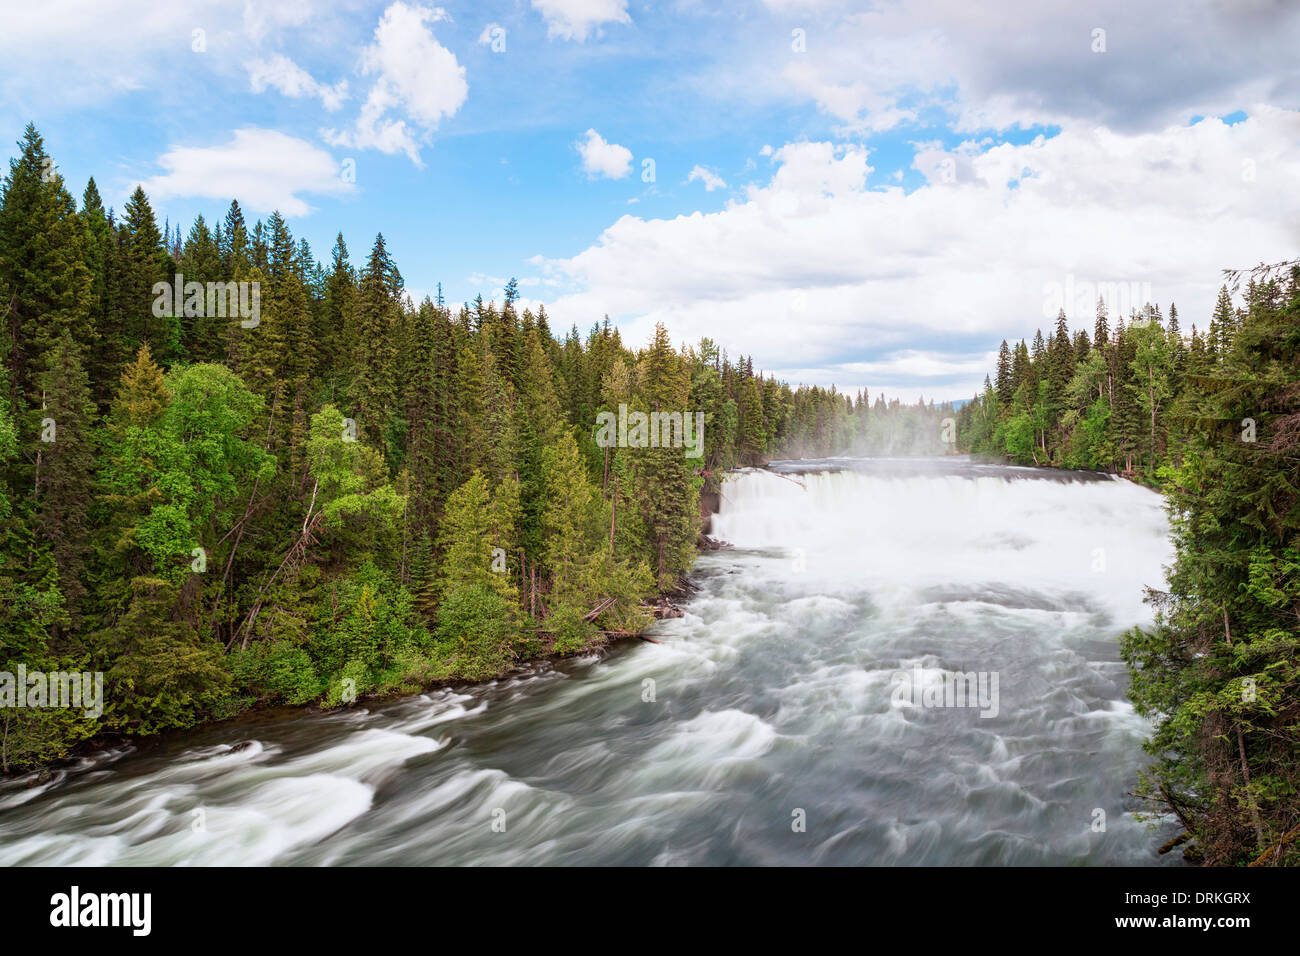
x=355, y=495
x=1211, y=417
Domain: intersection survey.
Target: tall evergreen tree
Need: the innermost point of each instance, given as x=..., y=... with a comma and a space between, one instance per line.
x=145, y=262
x=373, y=387
x=46, y=287
x=64, y=455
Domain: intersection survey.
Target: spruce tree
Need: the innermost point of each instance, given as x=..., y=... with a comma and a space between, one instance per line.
x=1101, y=329
x=144, y=263
x=200, y=261
x=667, y=491
x=1005, y=382
x=46, y=287
x=373, y=388
x=64, y=455
x=1217, y=670
x=234, y=249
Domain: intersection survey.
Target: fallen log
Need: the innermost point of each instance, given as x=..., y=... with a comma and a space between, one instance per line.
x=599, y=609
x=1176, y=841
x=1275, y=850
x=643, y=637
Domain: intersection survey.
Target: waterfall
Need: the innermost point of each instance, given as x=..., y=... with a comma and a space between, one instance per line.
x=916, y=660
x=968, y=529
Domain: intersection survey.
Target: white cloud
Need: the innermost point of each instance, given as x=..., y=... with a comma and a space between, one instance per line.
x=281, y=73
x=68, y=53
x=919, y=365
x=487, y=36
x=600, y=158
x=1020, y=62
x=710, y=179
x=264, y=169
x=262, y=17
x=826, y=267
x=415, y=75
x=578, y=19
x=81, y=51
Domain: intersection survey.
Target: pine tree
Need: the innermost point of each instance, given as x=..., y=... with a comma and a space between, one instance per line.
x=1101, y=330
x=570, y=525
x=1005, y=380
x=753, y=437
x=282, y=254
x=478, y=613
x=1060, y=361
x=1216, y=672
x=259, y=251
x=1221, y=324
x=144, y=263
x=430, y=410
x=1151, y=366
x=46, y=288
x=279, y=362
x=374, y=388
x=64, y=468
x=667, y=492
x=539, y=425
x=98, y=245
x=335, y=331
x=234, y=250
x=200, y=261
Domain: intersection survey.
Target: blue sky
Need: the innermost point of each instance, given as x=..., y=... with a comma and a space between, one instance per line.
x=865, y=194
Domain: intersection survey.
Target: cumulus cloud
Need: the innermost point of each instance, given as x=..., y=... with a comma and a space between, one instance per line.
x=578, y=19
x=264, y=169
x=828, y=275
x=281, y=73
x=710, y=179
x=602, y=159
x=418, y=83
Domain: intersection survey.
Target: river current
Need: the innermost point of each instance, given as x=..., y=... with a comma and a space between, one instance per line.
x=806, y=709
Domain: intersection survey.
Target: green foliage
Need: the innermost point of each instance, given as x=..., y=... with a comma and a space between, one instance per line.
x=45, y=283
x=571, y=630
x=1214, y=421
x=351, y=480
x=363, y=621
x=276, y=670
x=163, y=672
x=355, y=494
x=477, y=628
x=185, y=467
x=212, y=531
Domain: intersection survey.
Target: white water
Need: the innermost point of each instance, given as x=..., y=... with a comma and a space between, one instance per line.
x=772, y=696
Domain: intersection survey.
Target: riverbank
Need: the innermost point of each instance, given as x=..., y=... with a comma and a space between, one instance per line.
x=774, y=693
x=663, y=607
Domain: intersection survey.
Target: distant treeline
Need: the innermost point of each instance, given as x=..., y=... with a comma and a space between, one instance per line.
x=1213, y=420
x=277, y=480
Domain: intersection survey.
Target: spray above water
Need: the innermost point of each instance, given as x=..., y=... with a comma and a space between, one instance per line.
x=949, y=530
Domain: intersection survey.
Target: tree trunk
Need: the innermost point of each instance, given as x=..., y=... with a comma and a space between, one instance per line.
x=613, y=516
x=1245, y=766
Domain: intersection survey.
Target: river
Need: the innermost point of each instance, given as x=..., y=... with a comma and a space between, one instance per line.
x=796, y=714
